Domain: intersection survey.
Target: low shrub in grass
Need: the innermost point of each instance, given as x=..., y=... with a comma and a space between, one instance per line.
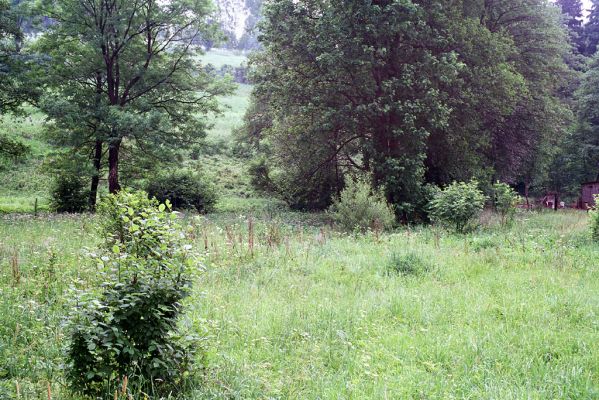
x=595, y=220
x=185, y=190
x=478, y=244
x=129, y=327
x=69, y=193
x=360, y=207
x=505, y=200
x=407, y=264
x=458, y=205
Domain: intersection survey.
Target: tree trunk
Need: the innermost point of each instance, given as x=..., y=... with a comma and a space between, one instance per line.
x=113, y=166
x=93, y=192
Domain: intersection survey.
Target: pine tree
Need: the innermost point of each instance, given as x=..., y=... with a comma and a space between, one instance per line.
x=572, y=10
x=591, y=30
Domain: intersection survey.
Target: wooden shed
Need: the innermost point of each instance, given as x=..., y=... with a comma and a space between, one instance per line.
x=587, y=193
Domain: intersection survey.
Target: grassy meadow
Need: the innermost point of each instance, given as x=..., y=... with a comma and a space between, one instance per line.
x=307, y=313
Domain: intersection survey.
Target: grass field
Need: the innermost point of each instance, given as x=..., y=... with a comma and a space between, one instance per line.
x=222, y=57
x=310, y=313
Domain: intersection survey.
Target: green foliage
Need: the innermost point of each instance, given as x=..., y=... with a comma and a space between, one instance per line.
x=360, y=208
x=407, y=264
x=130, y=327
x=505, y=200
x=595, y=220
x=129, y=87
x=259, y=172
x=12, y=149
x=69, y=193
x=413, y=92
x=334, y=302
x=184, y=190
x=458, y=205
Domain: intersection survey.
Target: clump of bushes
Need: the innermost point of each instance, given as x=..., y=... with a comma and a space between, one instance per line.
x=360, y=207
x=69, y=193
x=505, y=200
x=129, y=327
x=185, y=190
x=407, y=264
x=458, y=205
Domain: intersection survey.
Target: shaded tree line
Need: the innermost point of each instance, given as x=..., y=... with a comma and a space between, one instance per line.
x=414, y=92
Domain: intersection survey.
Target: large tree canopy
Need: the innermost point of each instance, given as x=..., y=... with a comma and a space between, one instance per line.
x=412, y=91
x=125, y=74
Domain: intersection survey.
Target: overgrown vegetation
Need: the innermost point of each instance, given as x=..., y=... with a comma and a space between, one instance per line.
x=128, y=328
x=458, y=205
x=69, y=193
x=505, y=200
x=360, y=208
x=418, y=95
x=185, y=190
x=304, y=310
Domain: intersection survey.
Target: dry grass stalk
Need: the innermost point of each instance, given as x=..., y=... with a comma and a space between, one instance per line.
x=251, y=236
x=16, y=272
x=125, y=382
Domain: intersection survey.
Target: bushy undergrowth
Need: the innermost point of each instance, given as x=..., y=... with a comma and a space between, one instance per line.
x=407, y=264
x=505, y=200
x=129, y=328
x=69, y=193
x=458, y=205
x=360, y=207
x=184, y=190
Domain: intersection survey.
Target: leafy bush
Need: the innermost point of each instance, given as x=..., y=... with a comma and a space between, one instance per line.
x=484, y=243
x=185, y=190
x=505, y=200
x=12, y=149
x=359, y=207
x=458, y=205
x=260, y=176
x=407, y=264
x=129, y=328
x=595, y=220
x=69, y=193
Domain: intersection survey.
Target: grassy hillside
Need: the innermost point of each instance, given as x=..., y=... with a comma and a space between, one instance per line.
x=310, y=313
x=23, y=182
x=222, y=57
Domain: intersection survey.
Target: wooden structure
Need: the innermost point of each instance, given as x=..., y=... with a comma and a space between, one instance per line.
x=587, y=195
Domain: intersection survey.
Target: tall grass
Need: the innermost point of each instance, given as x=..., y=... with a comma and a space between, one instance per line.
x=288, y=308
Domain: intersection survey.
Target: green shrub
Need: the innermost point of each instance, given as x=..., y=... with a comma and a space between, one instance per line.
x=129, y=327
x=595, y=220
x=478, y=244
x=69, y=193
x=185, y=190
x=458, y=205
x=359, y=207
x=505, y=200
x=407, y=264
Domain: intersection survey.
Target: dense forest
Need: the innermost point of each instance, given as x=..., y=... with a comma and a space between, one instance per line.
x=424, y=92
